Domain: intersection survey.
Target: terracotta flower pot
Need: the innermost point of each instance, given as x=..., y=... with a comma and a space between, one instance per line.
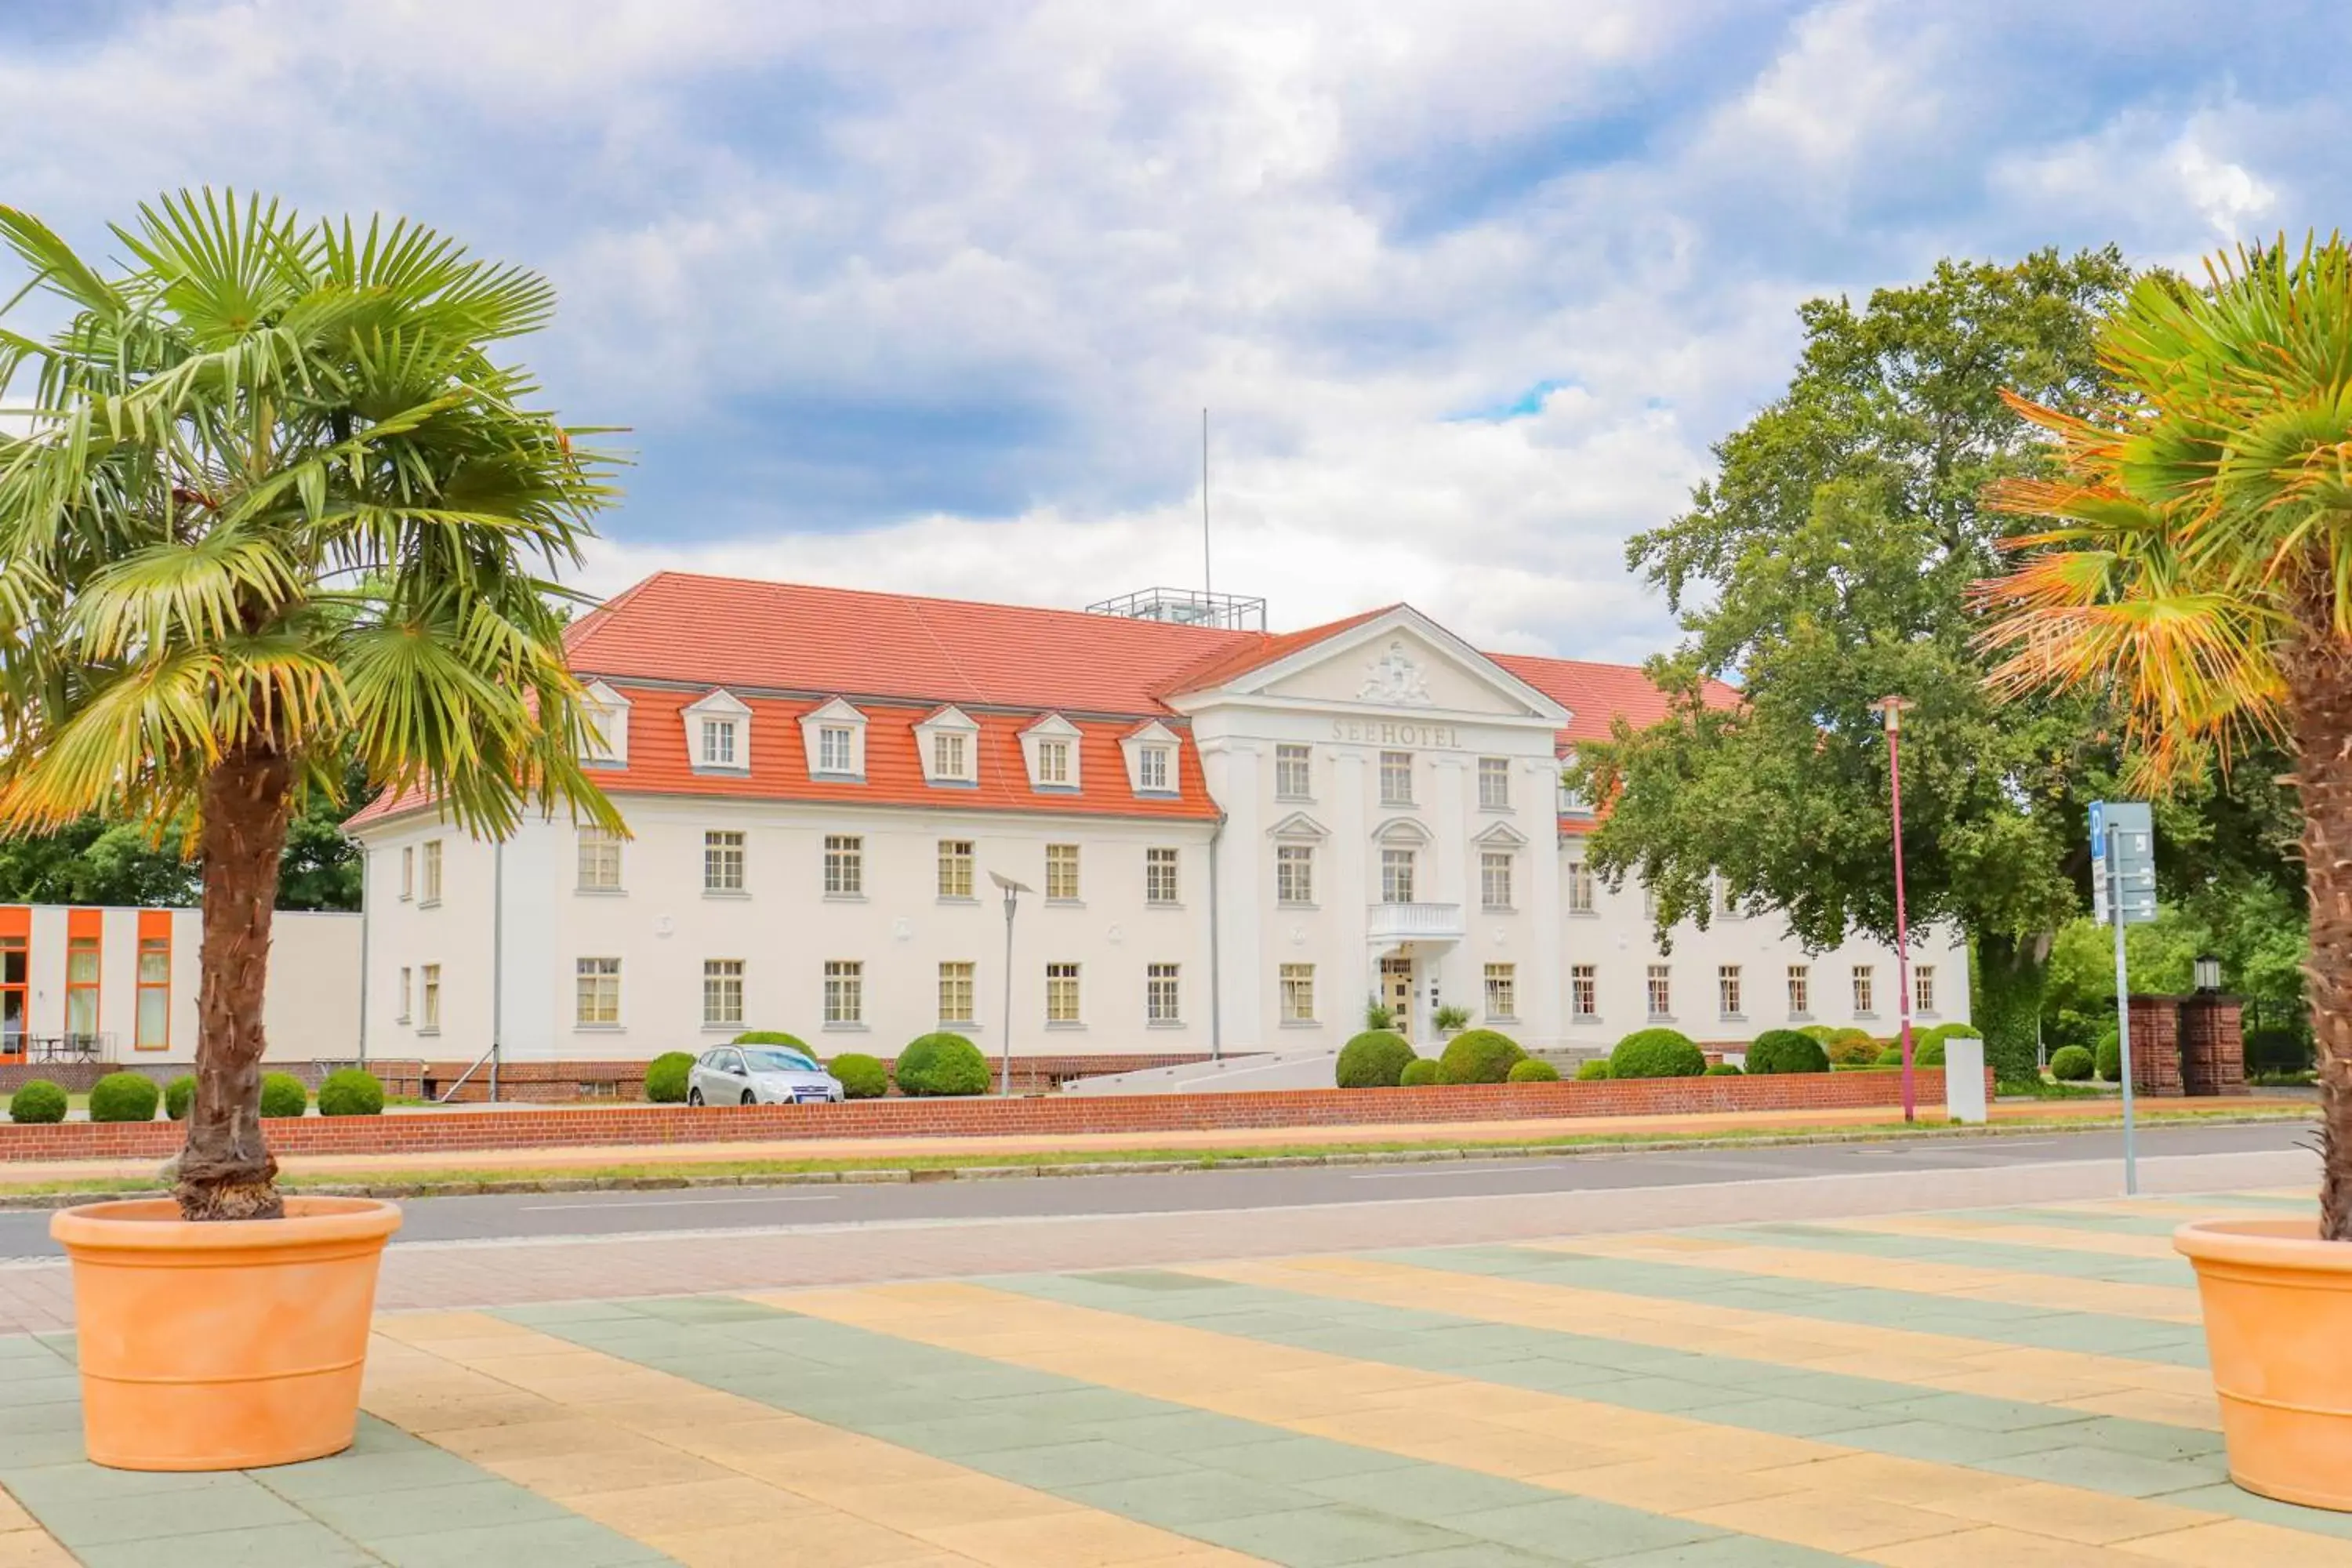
x=222, y=1346
x=2278, y=1316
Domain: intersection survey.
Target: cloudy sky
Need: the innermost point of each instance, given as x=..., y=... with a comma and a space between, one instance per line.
x=931, y=296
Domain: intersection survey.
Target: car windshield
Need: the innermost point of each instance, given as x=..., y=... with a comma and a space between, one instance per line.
x=779, y=1061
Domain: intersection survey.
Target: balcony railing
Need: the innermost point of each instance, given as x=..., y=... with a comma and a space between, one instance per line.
x=1414, y=922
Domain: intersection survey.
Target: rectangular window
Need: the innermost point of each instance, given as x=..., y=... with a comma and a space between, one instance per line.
x=955, y=868
x=154, y=1021
x=722, y=861
x=431, y=893
x=81, y=987
x=722, y=992
x=1298, y=993
x=719, y=742
x=1864, y=996
x=1293, y=776
x=956, y=995
x=845, y=990
x=1396, y=876
x=1061, y=994
x=400, y=998
x=1661, y=991
x=1800, y=990
x=408, y=873
x=600, y=860
x=1583, y=991
x=1494, y=783
x=947, y=755
x=836, y=750
x=1396, y=778
x=428, y=997
x=1502, y=990
x=596, y=992
x=1151, y=769
x=1495, y=880
x=1160, y=876
x=1726, y=990
x=1161, y=995
x=1053, y=762
x=1580, y=888
x=1062, y=872
x=845, y=866
x=1923, y=988
x=1294, y=873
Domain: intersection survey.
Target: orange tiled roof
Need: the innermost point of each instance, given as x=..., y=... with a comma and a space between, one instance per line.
x=1595, y=694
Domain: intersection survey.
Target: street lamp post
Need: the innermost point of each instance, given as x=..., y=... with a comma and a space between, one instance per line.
x=1012, y=892
x=1891, y=709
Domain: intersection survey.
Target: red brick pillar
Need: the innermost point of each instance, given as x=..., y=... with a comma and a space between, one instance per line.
x=2213, y=1045
x=2156, y=1045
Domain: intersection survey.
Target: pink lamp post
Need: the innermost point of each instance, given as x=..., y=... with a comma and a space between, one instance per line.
x=1891, y=710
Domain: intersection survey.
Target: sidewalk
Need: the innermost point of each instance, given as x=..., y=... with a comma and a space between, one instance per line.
x=1078, y=1147
x=1818, y=1373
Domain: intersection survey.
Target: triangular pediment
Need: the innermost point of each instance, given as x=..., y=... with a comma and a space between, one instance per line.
x=1298, y=826
x=836, y=710
x=1502, y=835
x=1398, y=663
x=719, y=702
x=1055, y=725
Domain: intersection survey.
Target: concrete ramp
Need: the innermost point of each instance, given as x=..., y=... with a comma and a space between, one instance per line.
x=1288, y=1070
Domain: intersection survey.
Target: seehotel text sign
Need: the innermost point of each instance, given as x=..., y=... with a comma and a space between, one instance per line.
x=1397, y=733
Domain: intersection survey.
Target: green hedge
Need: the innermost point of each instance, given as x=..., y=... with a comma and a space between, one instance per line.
x=350, y=1091
x=862, y=1077
x=1479, y=1056
x=179, y=1097
x=37, y=1099
x=1533, y=1069
x=1785, y=1050
x=1728, y=1069
x=1593, y=1070
x=1657, y=1053
x=665, y=1078
x=1822, y=1035
x=124, y=1096
x=283, y=1095
x=771, y=1037
x=2070, y=1064
x=1889, y=1056
x=1420, y=1071
x=1854, y=1047
x=1926, y=1053
x=1374, y=1060
x=941, y=1064
x=2109, y=1058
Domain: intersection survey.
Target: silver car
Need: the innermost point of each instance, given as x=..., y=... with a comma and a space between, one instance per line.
x=760, y=1075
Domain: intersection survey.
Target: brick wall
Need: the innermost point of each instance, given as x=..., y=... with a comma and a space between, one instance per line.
x=1045, y=1117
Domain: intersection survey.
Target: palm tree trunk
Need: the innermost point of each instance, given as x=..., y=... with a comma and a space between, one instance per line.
x=226, y=1169
x=2320, y=682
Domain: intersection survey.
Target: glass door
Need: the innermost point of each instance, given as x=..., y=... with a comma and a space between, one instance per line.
x=1396, y=993
x=16, y=966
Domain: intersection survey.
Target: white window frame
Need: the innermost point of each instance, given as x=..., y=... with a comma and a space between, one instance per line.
x=724, y=862
x=1579, y=883
x=1494, y=783
x=428, y=1003
x=956, y=868
x=1063, y=885
x=718, y=734
x=1659, y=985
x=1396, y=870
x=1163, y=994
x=598, y=866
x=1495, y=880
x=1298, y=990
x=400, y=999
x=845, y=866
x=1064, y=1001
x=844, y=994
x=596, y=993
x=408, y=871
x=1054, y=762
x=825, y=733
x=836, y=749
x=1162, y=887
x=722, y=992
x=1923, y=988
x=1294, y=874
x=428, y=890
x=1294, y=771
x=607, y=715
x=958, y=991
x=1584, y=991
x=1865, y=991
x=1730, y=983
x=948, y=744
x=1503, y=993
x=1152, y=768
x=1800, y=990
x=1396, y=778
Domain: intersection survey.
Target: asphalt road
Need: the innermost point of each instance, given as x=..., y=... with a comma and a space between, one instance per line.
x=25, y=1233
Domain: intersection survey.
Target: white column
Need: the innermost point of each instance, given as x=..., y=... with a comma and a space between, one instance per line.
x=1231, y=769
x=1452, y=976
x=1346, y=891
x=1543, y=967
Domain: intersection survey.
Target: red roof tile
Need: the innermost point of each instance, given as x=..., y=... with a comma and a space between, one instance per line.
x=1595, y=694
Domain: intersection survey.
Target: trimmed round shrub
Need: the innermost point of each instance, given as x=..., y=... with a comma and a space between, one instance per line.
x=665, y=1078
x=1821, y=1034
x=1479, y=1056
x=2070, y=1064
x=1657, y=1053
x=1888, y=1056
x=1419, y=1072
x=124, y=1096
x=862, y=1077
x=1593, y=1070
x=1926, y=1053
x=771, y=1037
x=180, y=1096
x=1374, y=1060
x=1532, y=1070
x=350, y=1091
x=1852, y=1047
x=283, y=1095
x=1785, y=1050
x=941, y=1064
x=2109, y=1058
x=37, y=1099
x=1727, y=1070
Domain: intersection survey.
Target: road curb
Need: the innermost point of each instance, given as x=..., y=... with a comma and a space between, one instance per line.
x=1209, y=1161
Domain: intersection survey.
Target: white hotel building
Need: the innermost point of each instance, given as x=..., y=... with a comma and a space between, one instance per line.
x=1231, y=840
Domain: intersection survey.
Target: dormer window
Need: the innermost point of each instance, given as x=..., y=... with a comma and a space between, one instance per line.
x=1051, y=748
x=607, y=712
x=718, y=734
x=948, y=743
x=833, y=736
x=1151, y=768
x=1151, y=759
x=1053, y=762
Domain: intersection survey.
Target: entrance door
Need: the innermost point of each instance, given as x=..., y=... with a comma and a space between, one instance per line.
x=1396, y=991
x=15, y=964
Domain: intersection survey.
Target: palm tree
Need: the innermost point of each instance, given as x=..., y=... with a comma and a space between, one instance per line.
x=274, y=503
x=2200, y=571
